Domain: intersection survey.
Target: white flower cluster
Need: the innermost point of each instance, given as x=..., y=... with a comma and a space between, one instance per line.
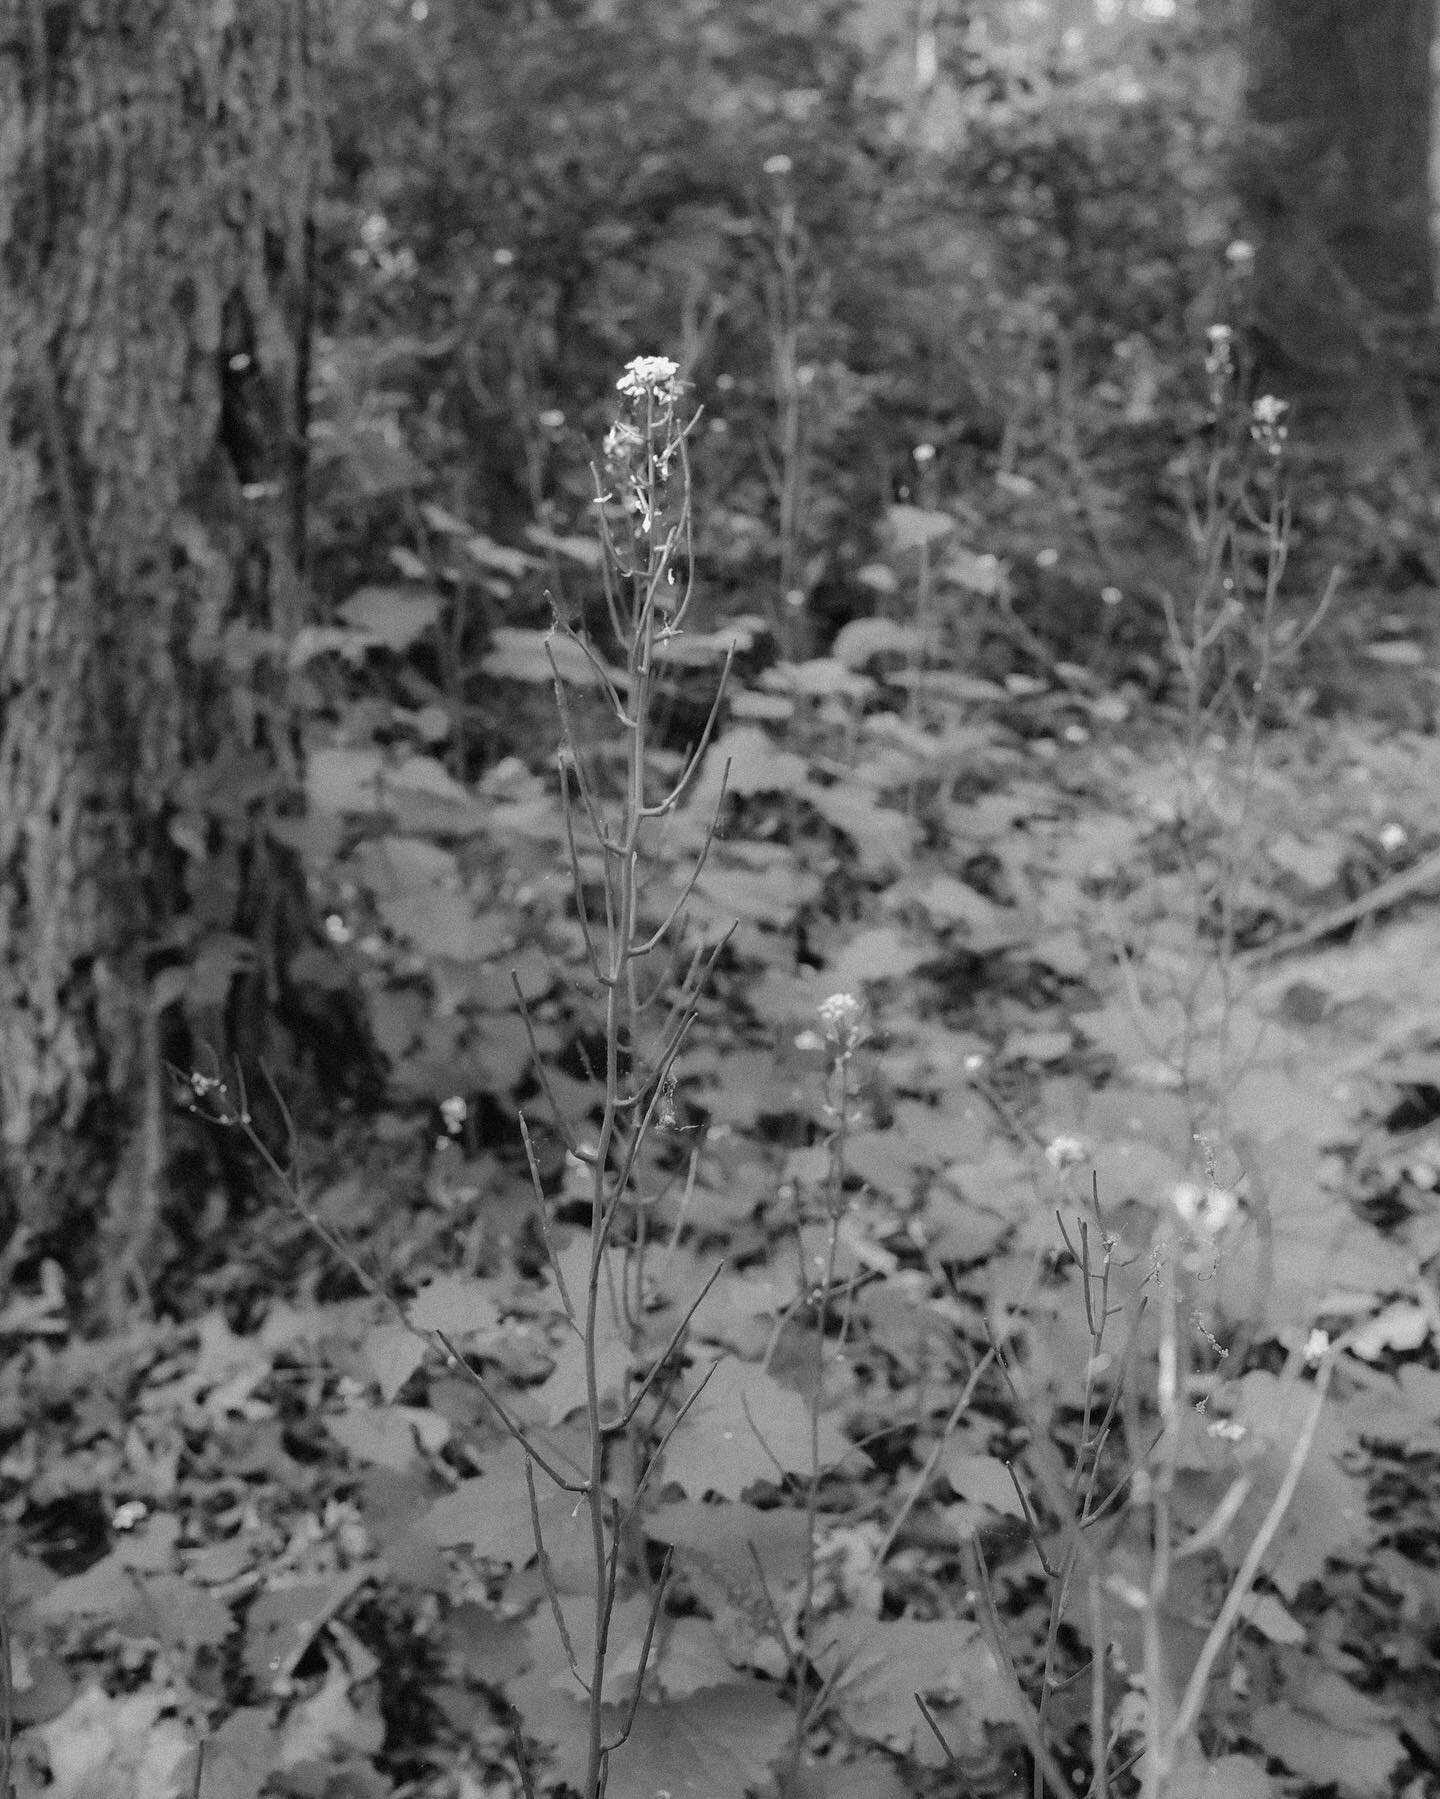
x=1267, y=425
x=843, y=1017
x=641, y=445
x=1206, y=1210
x=1219, y=361
x=650, y=375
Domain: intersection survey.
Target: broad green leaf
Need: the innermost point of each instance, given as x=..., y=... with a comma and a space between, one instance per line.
x=911, y=526
x=456, y=1303
x=865, y=638
x=881, y=953
x=981, y=574
x=520, y=655
x=1359, y=1763
x=584, y=550
x=103, y=1748
x=884, y=838
x=389, y=1436
x=1402, y=1326
x=442, y=923
x=392, y=616
x=877, y=1667
x=1230, y=1777
x=345, y=780
x=823, y=677
x=745, y=1427
x=982, y=1479
x=394, y=1354
x=756, y=763
x=490, y=1515
x=732, y=1538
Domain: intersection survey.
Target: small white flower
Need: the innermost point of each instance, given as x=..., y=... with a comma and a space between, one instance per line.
x=454, y=1111
x=840, y=1011
x=923, y=453
x=1066, y=1152
x=1221, y=336
x=1393, y=839
x=502, y=258
x=778, y=166
x=1317, y=1345
x=843, y=1018
x=1227, y=1430
x=1240, y=255
x=1269, y=429
x=336, y=929
x=1206, y=1210
x=552, y=419
x=648, y=375
x=621, y=441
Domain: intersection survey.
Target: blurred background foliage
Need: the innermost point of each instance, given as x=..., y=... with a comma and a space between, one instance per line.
x=995, y=230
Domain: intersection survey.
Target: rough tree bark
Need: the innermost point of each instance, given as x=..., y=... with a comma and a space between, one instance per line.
x=1335, y=176
x=158, y=160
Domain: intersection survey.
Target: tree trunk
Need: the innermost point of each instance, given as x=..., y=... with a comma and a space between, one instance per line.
x=158, y=160
x=1335, y=176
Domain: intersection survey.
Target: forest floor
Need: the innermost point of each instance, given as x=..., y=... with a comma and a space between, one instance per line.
x=1109, y=954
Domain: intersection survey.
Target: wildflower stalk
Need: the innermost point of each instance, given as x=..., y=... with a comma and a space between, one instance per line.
x=1229, y=648
x=1078, y=1506
x=648, y=587
x=844, y=1033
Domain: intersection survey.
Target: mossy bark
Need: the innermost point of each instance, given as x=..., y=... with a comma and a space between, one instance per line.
x=158, y=162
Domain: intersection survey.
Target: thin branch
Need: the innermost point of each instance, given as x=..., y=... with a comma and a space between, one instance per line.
x=522, y=1760
x=643, y=949
x=623, y=1422
x=543, y=1214
x=655, y=1605
x=1194, y=1697
x=592, y=949
x=659, y=1453
x=513, y=1429
x=602, y=673
x=978, y=1576
x=572, y=1143
x=932, y=1461
x=687, y=774
x=547, y=1575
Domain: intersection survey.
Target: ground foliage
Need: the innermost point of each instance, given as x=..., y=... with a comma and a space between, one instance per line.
x=967, y=784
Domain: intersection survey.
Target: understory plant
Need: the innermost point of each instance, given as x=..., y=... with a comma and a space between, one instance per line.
x=1231, y=643
x=1106, y=1528
x=1102, y=1516
x=644, y=509
x=645, y=984
x=1112, y=1537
